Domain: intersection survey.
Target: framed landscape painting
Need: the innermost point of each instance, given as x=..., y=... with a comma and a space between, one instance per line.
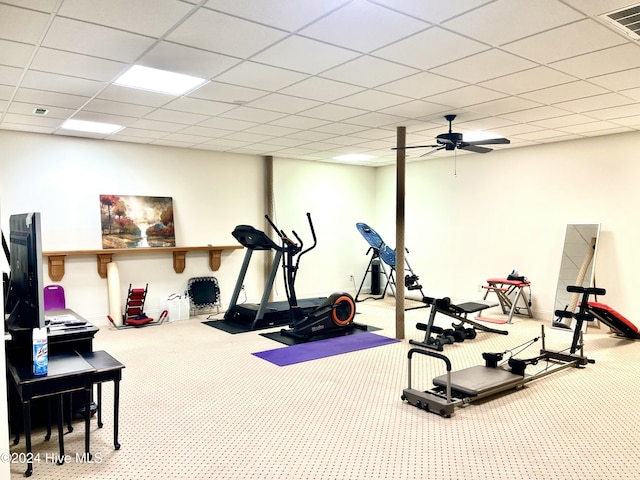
x=130, y=221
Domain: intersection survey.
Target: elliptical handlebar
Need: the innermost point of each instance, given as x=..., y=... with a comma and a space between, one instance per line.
x=298, y=248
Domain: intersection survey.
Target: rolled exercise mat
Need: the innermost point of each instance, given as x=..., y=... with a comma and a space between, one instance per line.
x=113, y=287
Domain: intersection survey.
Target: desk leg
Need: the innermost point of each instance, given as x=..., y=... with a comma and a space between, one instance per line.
x=87, y=419
x=116, y=408
x=26, y=415
x=59, y=403
x=100, y=424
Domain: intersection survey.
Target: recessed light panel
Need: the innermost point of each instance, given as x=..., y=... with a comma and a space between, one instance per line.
x=156, y=80
x=92, y=127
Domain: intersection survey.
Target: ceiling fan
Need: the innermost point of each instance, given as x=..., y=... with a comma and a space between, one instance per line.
x=452, y=140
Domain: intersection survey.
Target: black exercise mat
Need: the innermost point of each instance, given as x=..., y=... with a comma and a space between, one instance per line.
x=235, y=327
x=279, y=337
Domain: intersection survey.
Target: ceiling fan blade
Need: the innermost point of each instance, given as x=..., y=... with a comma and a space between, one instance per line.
x=489, y=141
x=415, y=146
x=432, y=151
x=474, y=148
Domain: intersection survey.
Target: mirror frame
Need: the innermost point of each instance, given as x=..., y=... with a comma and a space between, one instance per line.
x=577, y=267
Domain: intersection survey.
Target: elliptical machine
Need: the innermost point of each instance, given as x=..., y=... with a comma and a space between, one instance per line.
x=334, y=314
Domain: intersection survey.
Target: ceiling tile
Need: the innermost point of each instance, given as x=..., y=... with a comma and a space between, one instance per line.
x=117, y=108
x=535, y=114
x=567, y=91
x=224, y=92
x=187, y=60
x=53, y=112
x=22, y=25
x=227, y=124
x=503, y=106
x=552, y=45
x=249, y=114
x=304, y=55
x=618, y=80
x=74, y=64
x=74, y=36
x=416, y=109
x=372, y=100
x=10, y=75
x=42, y=121
x=420, y=85
x=332, y=112
x=597, y=102
x=173, y=116
x=434, y=12
x=285, y=14
x=362, y=26
x=232, y=36
x=321, y=89
x=484, y=66
x=532, y=79
x=195, y=105
x=44, y=97
x=503, y=21
x=614, y=113
x=135, y=95
x=610, y=60
x=155, y=125
x=469, y=95
x=598, y=7
x=15, y=54
x=376, y=120
x=430, y=48
x=283, y=103
x=261, y=77
x=127, y=15
x=61, y=83
x=298, y=121
x=368, y=72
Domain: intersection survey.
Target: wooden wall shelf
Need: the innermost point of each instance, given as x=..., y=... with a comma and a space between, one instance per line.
x=105, y=256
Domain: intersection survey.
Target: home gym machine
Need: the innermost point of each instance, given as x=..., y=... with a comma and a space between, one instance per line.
x=436, y=337
x=337, y=311
x=264, y=314
x=381, y=255
x=460, y=388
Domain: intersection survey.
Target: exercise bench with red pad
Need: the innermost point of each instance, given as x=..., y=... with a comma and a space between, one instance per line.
x=512, y=297
x=614, y=320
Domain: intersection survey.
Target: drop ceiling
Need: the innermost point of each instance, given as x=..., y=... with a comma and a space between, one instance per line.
x=315, y=79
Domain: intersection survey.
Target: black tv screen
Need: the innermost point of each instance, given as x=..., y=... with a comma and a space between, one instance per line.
x=25, y=300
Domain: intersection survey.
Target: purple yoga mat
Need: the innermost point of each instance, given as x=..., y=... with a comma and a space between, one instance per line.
x=323, y=348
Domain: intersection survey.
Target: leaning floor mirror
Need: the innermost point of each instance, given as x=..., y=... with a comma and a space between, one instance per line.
x=576, y=268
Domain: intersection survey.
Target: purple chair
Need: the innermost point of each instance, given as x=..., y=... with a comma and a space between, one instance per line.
x=54, y=298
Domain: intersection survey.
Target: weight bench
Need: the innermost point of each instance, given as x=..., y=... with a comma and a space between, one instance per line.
x=505, y=289
x=458, y=332
x=614, y=320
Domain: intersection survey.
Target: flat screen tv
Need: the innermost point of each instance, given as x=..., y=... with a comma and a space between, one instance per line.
x=24, y=301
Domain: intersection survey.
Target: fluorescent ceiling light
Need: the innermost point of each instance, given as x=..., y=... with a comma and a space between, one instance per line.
x=93, y=127
x=162, y=81
x=353, y=157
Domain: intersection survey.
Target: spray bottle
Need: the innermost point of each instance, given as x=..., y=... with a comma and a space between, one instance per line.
x=40, y=352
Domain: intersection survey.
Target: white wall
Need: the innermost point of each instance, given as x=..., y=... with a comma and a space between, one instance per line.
x=62, y=177
x=509, y=209
x=337, y=197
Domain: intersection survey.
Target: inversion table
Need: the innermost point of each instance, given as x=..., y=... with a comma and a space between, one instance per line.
x=505, y=289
